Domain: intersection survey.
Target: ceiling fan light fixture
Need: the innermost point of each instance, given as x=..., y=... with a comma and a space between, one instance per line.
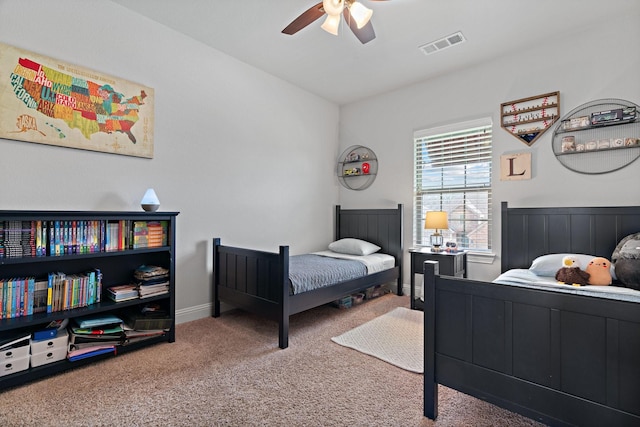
x=333, y=7
x=360, y=13
x=331, y=24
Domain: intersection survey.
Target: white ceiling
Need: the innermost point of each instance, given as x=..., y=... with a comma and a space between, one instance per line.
x=343, y=70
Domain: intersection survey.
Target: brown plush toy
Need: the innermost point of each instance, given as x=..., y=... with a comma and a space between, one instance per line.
x=599, y=270
x=570, y=273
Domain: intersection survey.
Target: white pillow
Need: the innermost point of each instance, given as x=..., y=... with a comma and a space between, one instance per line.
x=548, y=265
x=353, y=247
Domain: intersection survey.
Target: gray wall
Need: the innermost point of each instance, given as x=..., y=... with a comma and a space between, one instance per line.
x=251, y=159
x=598, y=62
x=241, y=154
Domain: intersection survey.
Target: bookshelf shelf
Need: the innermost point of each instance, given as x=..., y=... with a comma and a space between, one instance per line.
x=116, y=267
x=58, y=258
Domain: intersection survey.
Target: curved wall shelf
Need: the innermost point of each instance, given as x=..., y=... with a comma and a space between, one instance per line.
x=357, y=167
x=598, y=137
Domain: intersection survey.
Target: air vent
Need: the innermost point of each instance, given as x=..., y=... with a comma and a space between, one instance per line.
x=443, y=43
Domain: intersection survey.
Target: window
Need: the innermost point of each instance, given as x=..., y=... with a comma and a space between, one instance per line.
x=453, y=174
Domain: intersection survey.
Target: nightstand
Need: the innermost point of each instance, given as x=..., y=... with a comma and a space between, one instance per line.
x=450, y=264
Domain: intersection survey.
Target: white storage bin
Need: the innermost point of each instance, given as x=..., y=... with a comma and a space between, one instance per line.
x=12, y=366
x=60, y=341
x=48, y=356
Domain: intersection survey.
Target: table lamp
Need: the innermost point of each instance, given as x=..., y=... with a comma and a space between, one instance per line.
x=436, y=220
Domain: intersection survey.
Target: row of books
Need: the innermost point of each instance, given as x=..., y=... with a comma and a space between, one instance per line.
x=53, y=238
x=25, y=296
x=17, y=297
x=66, y=292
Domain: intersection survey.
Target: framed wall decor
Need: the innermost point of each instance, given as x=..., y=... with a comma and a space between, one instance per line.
x=528, y=118
x=515, y=167
x=47, y=101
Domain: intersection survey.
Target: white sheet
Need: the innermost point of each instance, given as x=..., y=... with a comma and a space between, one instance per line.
x=526, y=278
x=374, y=262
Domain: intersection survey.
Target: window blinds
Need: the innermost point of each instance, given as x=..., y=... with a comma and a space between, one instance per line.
x=453, y=174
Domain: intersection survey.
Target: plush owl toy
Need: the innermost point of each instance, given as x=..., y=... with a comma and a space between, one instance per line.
x=599, y=270
x=571, y=273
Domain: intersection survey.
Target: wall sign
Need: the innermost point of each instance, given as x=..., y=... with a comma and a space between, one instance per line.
x=528, y=118
x=515, y=167
x=47, y=101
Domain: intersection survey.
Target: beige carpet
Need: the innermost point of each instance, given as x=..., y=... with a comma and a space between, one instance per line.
x=230, y=372
x=396, y=337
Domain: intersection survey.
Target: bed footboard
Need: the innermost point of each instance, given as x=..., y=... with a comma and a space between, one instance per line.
x=254, y=281
x=558, y=358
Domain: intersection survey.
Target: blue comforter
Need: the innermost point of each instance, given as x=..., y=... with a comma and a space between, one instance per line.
x=308, y=272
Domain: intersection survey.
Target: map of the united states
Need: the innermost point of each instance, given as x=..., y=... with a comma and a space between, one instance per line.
x=80, y=103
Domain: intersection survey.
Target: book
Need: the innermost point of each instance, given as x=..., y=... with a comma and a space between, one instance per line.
x=142, y=337
x=97, y=320
x=116, y=328
x=10, y=343
x=153, y=318
x=40, y=296
x=45, y=334
x=84, y=353
x=155, y=289
x=111, y=339
x=123, y=292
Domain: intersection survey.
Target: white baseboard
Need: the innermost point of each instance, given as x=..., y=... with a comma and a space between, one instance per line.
x=193, y=313
x=198, y=312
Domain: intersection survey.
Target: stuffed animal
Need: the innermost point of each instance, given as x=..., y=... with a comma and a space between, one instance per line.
x=571, y=273
x=626, y=261
x=599, y=270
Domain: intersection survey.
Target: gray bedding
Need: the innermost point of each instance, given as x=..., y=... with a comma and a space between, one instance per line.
x=526, y=278
x=308, y=272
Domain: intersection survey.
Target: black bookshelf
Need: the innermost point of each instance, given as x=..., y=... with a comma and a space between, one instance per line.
x=117, y=267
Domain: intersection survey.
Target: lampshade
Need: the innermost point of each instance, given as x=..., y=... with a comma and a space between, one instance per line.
x=360, y=13
x=333, y=7
x=436, y=220
x=331, y=24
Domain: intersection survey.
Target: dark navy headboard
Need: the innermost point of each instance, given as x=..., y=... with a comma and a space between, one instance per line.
x=382, y=227
x=530, y=232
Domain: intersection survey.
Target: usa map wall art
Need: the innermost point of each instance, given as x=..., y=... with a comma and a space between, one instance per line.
x=46, y=101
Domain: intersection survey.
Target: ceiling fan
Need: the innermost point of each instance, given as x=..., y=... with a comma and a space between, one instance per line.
x=357, y=16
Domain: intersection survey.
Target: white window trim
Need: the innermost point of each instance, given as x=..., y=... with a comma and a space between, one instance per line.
x=486, y=121
x=472, y=256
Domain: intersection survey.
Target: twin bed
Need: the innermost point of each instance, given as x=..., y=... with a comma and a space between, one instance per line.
x=277, y=286
x=568, y=357
x=559, y=355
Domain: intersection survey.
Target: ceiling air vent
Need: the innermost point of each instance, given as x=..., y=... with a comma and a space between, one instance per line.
x=443, y=43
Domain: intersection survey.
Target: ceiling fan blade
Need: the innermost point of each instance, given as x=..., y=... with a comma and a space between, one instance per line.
x=306, y=18
x=364, y=34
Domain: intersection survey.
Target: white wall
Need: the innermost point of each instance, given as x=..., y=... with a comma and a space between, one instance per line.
x=239, y=152
x=598, y=62
x=242, y=155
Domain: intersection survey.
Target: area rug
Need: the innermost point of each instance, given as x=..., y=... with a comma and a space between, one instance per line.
x=396, y=337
